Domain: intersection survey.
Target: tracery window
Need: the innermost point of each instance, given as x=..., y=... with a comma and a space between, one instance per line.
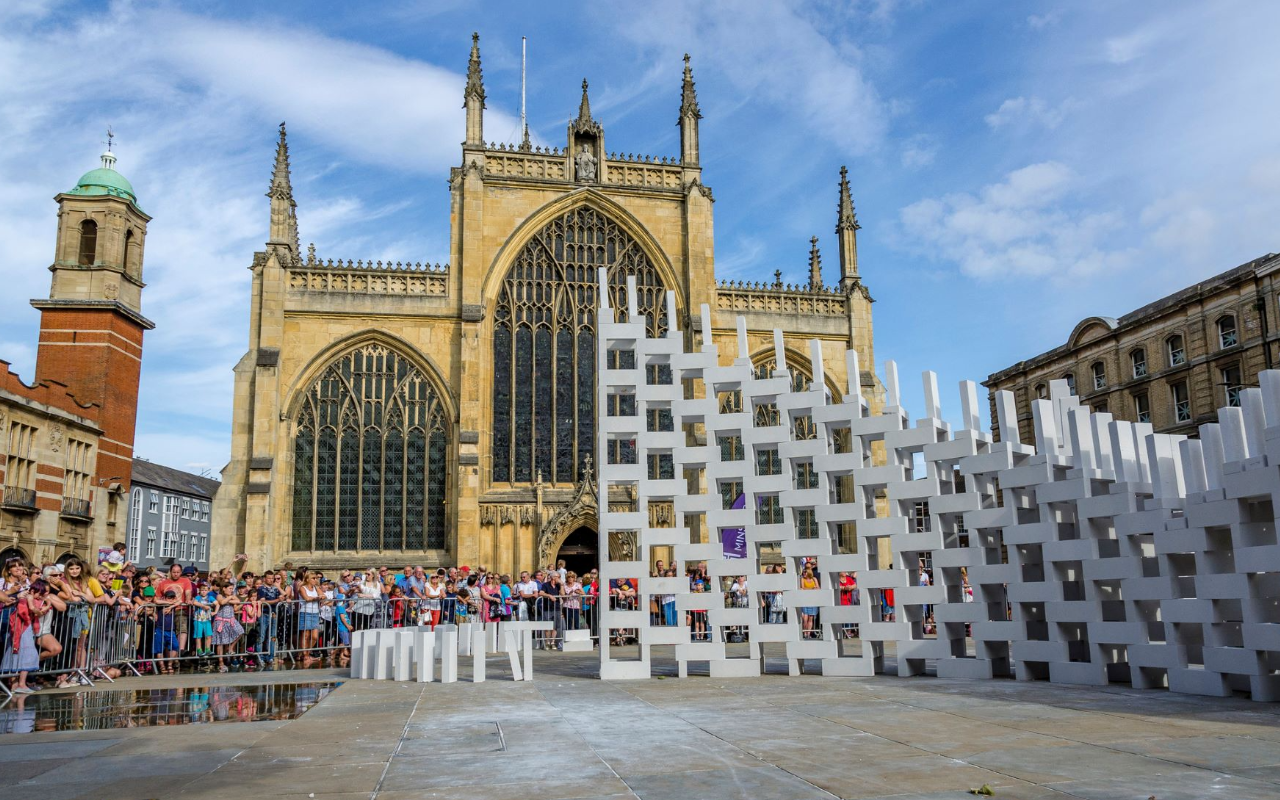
x=370, y=457
x=544, y=342
x=800, y=379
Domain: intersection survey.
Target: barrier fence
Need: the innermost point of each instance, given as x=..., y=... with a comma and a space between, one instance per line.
x=89, y=642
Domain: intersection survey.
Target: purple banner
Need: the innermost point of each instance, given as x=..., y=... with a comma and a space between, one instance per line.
x=734, y=540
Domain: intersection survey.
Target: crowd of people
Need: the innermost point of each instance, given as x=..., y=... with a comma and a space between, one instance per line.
x=164, y=620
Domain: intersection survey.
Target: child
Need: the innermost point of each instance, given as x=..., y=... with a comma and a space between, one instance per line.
x=343, y=620
x=397, y=606
x=165, y=645
x=204, y=601
x=226, y=628
x=249, y=620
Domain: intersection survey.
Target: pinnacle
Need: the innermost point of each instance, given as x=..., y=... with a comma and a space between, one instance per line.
x=846, y=216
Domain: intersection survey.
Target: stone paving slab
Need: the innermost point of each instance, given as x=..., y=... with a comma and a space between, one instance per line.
x=564, y=738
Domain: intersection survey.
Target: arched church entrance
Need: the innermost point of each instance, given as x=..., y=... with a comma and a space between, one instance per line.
x=580, y=551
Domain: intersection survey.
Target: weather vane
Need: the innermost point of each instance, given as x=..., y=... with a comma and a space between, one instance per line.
x=110, y=136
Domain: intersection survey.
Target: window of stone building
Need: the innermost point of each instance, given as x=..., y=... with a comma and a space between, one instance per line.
x=800, y=380
x=730, y=448
x=134, y=542
x=803, y=428
x=622, y=451
x=20, y=469
x=621, y=359
x=78, y=483
x=204, y=547
x=768, y=462
x=659, y=420
x=1100, y=407
x=1099, y=373
x=730, y=491
x=186, y=508
x=1181, y=402
x=1232, y=384
x=1042, y=391
x=88, y=243
x=1176, y=351
x=1227, y=336
x=768, y=509
x=1139, y=359
x=806, y=475
x=151, y=542
x=169, y=527
x=806, y=523
x=658, y=373
x=371, y=455
x=204, y=510
x=730, y=401
x=153, y=503
x=1070, y=378
x=622, y=405
x=661, y=467
x=544, y=342
x=1142, y=407
x=766, y=415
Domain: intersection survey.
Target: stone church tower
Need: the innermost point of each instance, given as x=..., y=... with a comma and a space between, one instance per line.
x=444, y=414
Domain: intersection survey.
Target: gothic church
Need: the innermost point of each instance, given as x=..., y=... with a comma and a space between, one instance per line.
x=390, y=413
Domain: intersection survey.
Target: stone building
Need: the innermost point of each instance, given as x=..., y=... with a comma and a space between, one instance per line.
x=170, y=517
x=66, y=439
x=1171, y=363
x=445, y=413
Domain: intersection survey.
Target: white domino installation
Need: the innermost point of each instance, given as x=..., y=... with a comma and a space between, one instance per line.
x=1102, y=552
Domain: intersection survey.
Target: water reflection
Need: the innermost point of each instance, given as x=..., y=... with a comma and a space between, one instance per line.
x=143, y=708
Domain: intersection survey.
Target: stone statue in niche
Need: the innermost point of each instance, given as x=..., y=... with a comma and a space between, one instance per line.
x=586, y=164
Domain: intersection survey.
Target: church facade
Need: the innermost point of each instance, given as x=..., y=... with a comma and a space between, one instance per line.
x=445, y=414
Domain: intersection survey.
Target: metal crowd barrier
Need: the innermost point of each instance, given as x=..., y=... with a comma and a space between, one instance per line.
x=95, y=640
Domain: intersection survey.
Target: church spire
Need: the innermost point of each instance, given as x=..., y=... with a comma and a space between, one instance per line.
x=473, y=96
x=689, y=116
x=847, y=231
x=584, y=108
x=284, y=211
x=815, y=264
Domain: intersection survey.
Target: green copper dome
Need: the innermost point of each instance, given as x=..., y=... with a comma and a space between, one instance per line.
x=105, y=181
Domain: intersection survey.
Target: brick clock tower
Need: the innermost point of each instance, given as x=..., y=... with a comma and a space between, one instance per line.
x=91, y=325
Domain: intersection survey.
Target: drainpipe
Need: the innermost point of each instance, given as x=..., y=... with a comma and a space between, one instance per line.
x=1261, y=306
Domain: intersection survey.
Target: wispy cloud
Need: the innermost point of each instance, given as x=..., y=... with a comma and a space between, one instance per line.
x=1039, y=22
x=919, y=151
x=810, y=73
x=1019, y=112
x=1017, y=228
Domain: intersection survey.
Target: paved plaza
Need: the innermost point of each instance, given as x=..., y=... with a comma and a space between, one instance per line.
x=569, y=735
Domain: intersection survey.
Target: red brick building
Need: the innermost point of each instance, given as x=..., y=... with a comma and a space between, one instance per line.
x=66, y=439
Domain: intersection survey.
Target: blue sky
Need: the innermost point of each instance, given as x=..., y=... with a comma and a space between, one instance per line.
x=1016, y=166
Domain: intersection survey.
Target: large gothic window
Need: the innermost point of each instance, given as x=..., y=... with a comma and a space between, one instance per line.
x=544, y=342
x=370, y=457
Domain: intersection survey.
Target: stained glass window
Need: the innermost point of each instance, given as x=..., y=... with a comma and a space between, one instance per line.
x=304, y=453
x=365, y=477
x=544, y=384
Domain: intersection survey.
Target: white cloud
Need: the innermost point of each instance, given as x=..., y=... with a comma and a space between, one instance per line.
x=919, y=151
x=1028, y=112
x=1179, y=224
x=1016, y=228
x=809, y=74
x=1046, y=20
x=1132, y=46
x=196, y=107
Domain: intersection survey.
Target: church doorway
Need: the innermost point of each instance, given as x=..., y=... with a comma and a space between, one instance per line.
x=580, y=551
